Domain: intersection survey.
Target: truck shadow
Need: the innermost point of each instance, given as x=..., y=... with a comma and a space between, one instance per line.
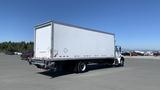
x=53, y=74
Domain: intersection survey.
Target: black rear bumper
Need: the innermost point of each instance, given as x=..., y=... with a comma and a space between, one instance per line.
x=42, y=64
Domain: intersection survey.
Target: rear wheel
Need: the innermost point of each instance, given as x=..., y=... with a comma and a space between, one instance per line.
x=80, y=67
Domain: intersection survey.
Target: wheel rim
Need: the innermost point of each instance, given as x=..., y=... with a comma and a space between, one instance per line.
x=83, y=67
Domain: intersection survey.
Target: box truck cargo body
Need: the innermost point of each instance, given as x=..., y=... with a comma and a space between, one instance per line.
x=57, y=42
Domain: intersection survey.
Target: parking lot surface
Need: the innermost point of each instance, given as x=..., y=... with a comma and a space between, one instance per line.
x=137, y=74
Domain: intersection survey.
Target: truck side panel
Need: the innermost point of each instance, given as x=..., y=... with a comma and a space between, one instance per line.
x=76, y=43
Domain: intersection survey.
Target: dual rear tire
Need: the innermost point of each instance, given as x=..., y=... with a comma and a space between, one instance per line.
x=80, y=67
x=74, y=66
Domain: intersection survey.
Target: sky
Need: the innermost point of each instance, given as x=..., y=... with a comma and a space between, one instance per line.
x=136, y=23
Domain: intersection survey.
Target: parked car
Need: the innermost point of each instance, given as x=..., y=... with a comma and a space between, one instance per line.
x=156, y=53
x=126, y=53
x=17, y=53
x=27, y=55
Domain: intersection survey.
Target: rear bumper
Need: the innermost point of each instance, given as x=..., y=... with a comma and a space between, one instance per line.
x=42, y=64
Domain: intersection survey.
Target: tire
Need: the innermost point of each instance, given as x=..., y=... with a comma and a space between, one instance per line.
x=122, y=62
x=81, y=67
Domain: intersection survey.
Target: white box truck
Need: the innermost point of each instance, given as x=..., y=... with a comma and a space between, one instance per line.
x=58, y=45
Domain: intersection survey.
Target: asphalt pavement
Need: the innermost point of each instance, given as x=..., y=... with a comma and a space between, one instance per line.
x=137, y=74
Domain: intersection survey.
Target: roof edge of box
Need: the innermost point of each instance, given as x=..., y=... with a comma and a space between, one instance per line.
x=72, y=25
